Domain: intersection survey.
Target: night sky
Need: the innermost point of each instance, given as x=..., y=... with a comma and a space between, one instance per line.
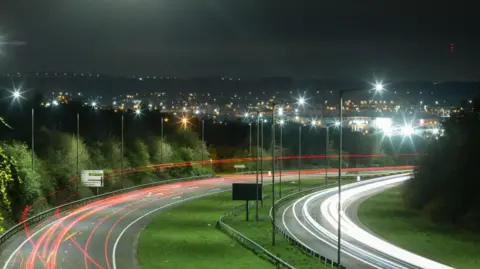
x=249, y=38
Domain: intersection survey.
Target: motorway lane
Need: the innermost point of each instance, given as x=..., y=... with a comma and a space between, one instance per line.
x=86, y=237
x=312, y=219
x=102, y=234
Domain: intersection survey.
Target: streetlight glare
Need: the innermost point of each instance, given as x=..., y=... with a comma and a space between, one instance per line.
x=138, y=112
x=379, y=86
x=280, y=111
x=246, y=115
x=337, y=123
x=94, y=104
x=55, y=103
x=407, y=130
x=301, y=101
x=314, y=123
x=16, y=94
x=282, y=122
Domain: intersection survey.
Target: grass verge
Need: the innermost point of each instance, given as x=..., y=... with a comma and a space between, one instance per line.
x=185, y=237
x=386, y=215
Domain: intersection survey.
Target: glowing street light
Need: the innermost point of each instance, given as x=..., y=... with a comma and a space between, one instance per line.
x=246, y=115
x=314, y=123
x=337, y=123
x=407, y=130
x=138, y=112
x=435, y=131
x=282, y=122
x=301, y=101
x=184, y=121
x=379, y=87
x=280, y=111
x=197, y=112
x=55, y=103
x=94, y=104
x=16, y=94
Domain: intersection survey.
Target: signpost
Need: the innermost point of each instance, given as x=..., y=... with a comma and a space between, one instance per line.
x=92, y=178
x=239, y=166
x=246, y=192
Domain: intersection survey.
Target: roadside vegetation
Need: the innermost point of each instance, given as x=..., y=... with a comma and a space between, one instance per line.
x=386, y=215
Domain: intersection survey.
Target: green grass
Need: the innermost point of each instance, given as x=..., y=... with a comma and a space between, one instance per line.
x=386, y=215
x=185, y=237
x=261, y=232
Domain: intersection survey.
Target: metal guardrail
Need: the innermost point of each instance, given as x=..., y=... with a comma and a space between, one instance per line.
x=298, y=244
x=248, y=243
x=41, y=216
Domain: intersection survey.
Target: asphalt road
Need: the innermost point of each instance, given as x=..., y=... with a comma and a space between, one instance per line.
x=103, y=234
x=313, y=220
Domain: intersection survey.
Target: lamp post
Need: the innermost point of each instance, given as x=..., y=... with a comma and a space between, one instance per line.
x=256, y=163
x=203, y=140
x=78, y=142
x=299, y=153
x=161, y=141
x=281, y=159
x=273, y=174
x=121, y=154
x=327, y=142
x=33, y=139
x=378, y=88
x=261, y=157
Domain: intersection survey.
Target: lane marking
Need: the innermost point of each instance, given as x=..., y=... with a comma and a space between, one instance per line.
x=115, y=245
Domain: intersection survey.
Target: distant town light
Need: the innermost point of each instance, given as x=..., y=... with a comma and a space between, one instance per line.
x=337, y=123
x=94, y=104
x=282, y=122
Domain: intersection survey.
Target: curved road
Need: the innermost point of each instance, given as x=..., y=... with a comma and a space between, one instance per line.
x=313, y=221
x=103, y=234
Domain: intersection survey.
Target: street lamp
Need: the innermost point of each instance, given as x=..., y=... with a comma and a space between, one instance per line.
x=281, y=122
x=378, y=88
x=327, y=142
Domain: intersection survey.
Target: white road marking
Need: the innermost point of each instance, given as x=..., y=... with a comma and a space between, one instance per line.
x=114, y=252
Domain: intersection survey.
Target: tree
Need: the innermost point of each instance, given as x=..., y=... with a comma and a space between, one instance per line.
x=446, y=182
x=34, y=183
x=60, y=156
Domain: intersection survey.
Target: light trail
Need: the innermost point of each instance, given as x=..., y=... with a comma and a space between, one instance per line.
x=377, y=251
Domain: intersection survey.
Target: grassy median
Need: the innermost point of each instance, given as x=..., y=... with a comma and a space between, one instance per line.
x=386, y=215
x=186, y=237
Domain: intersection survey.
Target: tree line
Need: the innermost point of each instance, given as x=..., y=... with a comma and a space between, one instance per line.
x=446, y=183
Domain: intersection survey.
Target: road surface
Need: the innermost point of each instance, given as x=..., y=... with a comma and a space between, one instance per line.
x=313, y=220
x=103, y=234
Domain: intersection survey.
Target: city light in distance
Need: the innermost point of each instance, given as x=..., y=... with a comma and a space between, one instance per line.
x=197, y=112
x=138, y=111
x=301, y=101
x=282, y=122
x=280, y=111
x=337, y=123
x=94, y=104
x=55, y=103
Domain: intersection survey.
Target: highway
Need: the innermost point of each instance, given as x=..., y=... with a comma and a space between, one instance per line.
x=103, y=234
x=313, y=220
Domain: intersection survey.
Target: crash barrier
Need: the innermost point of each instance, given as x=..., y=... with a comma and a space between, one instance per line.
x=250, y=244
x=42, y=216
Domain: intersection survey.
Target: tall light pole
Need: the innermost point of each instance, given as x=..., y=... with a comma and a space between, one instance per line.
x=281, y=158
x=273, y=174
x=33, y=139
x=78, y=142
x=256, y=164
x=327, y=142
x=121, y=155
x=203, y=140
x=299, y=153
x=250, y=141
x=378, y=88
x=161, y=141
x=261, y=157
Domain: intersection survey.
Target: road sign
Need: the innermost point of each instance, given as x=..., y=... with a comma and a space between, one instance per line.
x=239, y=166
x=246, y=191
x=92, y=178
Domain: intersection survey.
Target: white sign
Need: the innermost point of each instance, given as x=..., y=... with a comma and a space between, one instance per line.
x=238, y=166
x=92, y=178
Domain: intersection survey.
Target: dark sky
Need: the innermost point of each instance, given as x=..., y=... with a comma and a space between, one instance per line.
x=327, y=39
